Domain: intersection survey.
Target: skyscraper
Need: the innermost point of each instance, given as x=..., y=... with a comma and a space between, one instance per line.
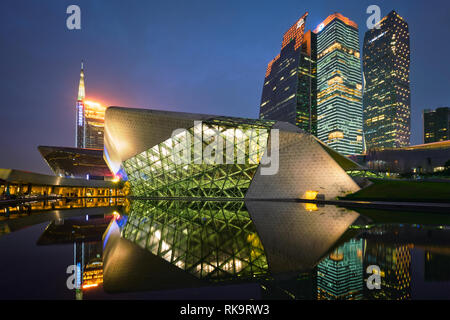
x=387, y=100
x=289, y=92
x=90, y=121
x=339, y=85
x=436, y=125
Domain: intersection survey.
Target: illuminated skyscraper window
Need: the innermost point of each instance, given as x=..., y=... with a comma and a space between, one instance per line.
x=289, y=92
x=339, y=85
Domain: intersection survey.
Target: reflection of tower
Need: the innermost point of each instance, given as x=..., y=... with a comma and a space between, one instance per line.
x=436, y=267
x=88, y=259
x=80, y=122
x=394, y=262
x=340, y=275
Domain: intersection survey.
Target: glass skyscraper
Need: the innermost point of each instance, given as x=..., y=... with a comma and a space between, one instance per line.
x=339, y=85
x=289, y=92
x=387, y=100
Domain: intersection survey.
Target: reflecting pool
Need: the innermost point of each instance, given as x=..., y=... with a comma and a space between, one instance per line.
x=160, y=249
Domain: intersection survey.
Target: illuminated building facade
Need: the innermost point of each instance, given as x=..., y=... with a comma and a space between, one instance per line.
x=289, y=92
x=436, y=125
x=339, y=85
x=340, y=275
x=90, y=120
x=387, y=95
x=141, y=142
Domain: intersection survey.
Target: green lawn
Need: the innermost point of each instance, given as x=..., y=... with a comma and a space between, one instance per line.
x=401, y=190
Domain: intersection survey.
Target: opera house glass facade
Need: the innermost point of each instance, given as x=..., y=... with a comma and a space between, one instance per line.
x=223, y=157
x=155, y=172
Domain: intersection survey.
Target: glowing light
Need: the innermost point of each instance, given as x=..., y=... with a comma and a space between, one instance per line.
x=116, y=215
x=87, y=286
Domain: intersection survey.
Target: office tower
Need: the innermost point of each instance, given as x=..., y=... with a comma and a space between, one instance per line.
x=394, y=261
x=90, y=119
x=436, y=125
x=340, y=275
x=339, y=85
x=387, y=96
x=289, y=92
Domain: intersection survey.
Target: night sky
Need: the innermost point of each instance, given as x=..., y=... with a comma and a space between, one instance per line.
x=204, y=56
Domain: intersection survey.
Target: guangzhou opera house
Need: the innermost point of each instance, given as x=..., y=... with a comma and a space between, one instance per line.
x=76, y=162
x=141, y=144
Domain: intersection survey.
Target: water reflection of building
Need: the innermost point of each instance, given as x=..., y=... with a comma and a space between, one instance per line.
x=209, y=240
x=88, y=257
x=340, y=275
x=86, y=234
x=395, y=263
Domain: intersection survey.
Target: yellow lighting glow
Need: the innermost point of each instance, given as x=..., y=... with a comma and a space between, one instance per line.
x=311, y=206
x=310, y=195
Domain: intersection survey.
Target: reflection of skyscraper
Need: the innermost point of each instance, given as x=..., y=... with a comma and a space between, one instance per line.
x=86, y=235
x=339, y=85
x=394, y=262
x=436, y=267
x=340, y=275
x=90, y=119
x=387, y=94
x=289, y=92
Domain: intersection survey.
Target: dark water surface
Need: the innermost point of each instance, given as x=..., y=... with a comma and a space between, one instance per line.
x=220, y=250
